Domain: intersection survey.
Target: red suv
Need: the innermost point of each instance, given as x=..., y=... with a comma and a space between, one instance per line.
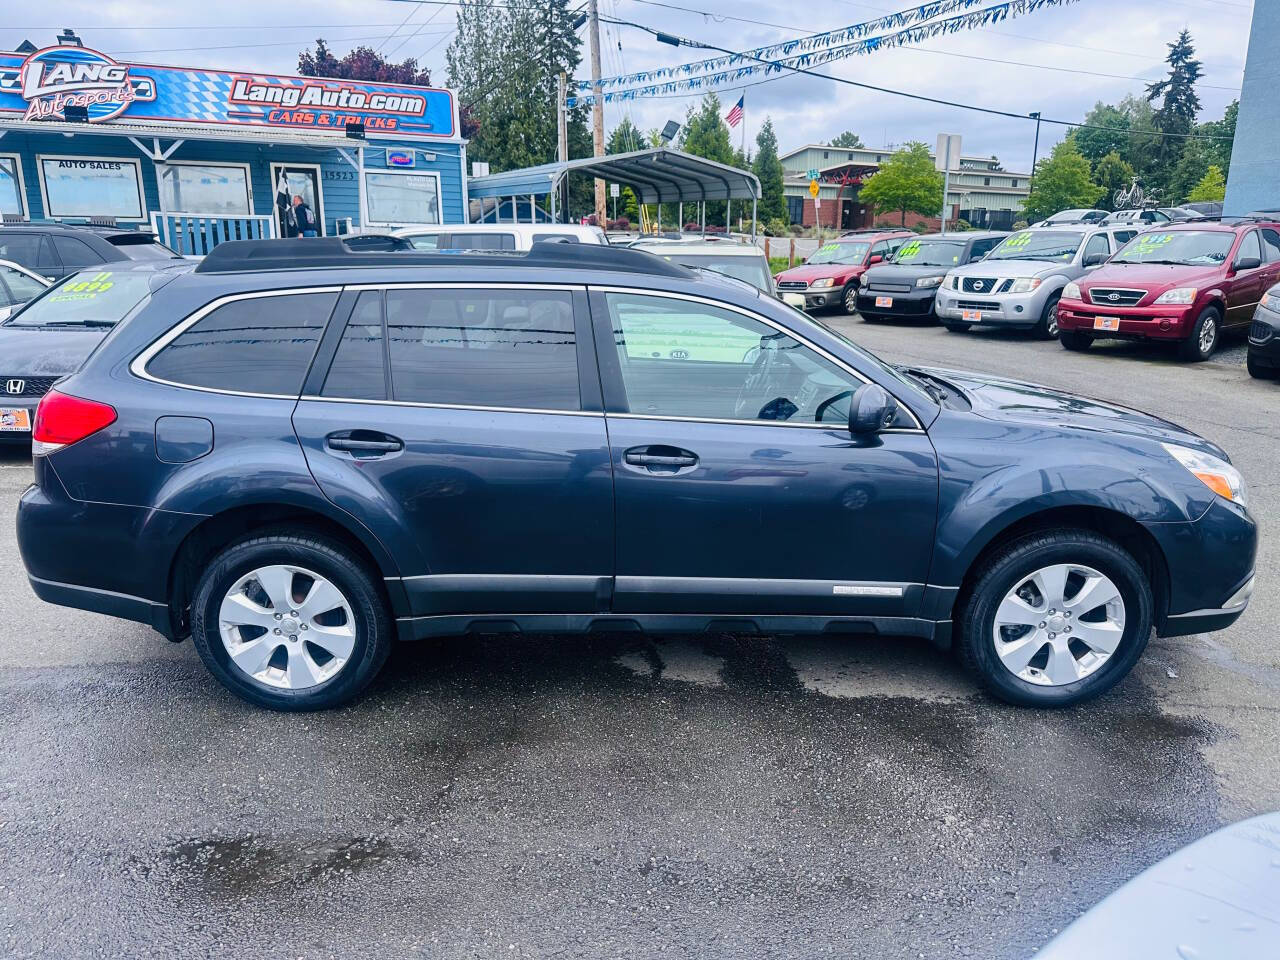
x=1189, y=282
x=830, y=277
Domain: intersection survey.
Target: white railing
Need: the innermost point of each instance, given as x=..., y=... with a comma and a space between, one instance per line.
x=195, y=234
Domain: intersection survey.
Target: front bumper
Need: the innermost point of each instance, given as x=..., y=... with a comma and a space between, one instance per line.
x=1166, y=322
x=916, y=302
x=995, y=309
x=1264, y=339
x=812, y=298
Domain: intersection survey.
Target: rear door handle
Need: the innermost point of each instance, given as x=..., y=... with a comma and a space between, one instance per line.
x=364, y=443
x=660, y=458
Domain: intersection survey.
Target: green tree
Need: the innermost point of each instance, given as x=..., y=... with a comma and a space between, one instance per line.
x=1061, y=182
x=1111, y=173
x=1190, y=169
x=847, y=139
x=1106, y=130
x=705, y=134
x=906, y=182
x=1179, y=104
x=1222, y=134
x=1211, y=189
x=625, y=137
x=768, y=170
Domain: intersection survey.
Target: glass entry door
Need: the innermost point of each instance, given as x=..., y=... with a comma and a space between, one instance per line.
x=301, y=180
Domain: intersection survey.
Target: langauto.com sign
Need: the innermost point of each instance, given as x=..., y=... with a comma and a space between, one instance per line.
x=41, y=86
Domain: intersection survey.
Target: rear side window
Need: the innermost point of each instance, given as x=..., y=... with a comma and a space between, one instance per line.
x=1270, y=245
x=482, y=241
x=23, y=248
x=501, y=348
x=257, y=345
x=358, y=370
x=75, y=253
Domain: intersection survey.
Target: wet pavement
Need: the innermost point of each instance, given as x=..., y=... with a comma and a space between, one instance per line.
x=626, y=796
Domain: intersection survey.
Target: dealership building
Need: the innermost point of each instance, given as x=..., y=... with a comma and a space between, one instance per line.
x=201, y=156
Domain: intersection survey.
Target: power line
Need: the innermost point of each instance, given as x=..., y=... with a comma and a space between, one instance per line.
x=684, y=41
x=246, y=46
x=412, y=11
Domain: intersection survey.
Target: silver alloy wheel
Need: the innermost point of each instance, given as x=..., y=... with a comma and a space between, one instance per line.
x=1208, y=335
x=850, y=299
x=1052, y=326
x=287, y=627
x=1059, y=624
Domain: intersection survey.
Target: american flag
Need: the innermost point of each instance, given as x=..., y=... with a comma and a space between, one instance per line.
x=734, y=116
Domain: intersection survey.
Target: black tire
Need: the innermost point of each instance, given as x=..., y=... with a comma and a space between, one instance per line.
x=1001, y=572
x=850, y=298
x=1074, y=340
x=1195, y=349
x=329, y=559
x=1046, y=327
x=1259, y=372
x=957, y=327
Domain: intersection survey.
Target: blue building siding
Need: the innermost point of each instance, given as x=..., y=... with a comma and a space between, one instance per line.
x=340, y=188
x=1254, y=180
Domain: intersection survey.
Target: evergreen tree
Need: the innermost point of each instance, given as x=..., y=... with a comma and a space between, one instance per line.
x=1179, y=104
x=848, y=139
x=1223, y=133
x=705, y=134
x=1190, y=169
x=768, y=170
x=1106, y=130
x=1061, y=182
x=626, y=137
x=1211, y=189
x=906, y=182
x=1111, y=173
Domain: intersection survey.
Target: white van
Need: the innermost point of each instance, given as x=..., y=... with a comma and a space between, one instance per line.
x=496, y=236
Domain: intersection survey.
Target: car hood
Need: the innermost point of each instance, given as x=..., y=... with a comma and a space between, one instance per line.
x=808, y=274
x=996, y=398
x=902, y=272
x=1013, y=268
x=46, y=351
x=1154, y=276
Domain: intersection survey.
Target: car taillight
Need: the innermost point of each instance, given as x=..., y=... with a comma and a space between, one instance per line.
x=62, y=419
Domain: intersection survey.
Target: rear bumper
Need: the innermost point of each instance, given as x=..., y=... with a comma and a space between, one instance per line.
x=1154, y=323
x=122, y=605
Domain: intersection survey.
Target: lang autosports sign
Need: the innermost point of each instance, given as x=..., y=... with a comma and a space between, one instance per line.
x=41, y=86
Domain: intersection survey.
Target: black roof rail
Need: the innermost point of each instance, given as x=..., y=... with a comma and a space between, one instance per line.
x=255, y=256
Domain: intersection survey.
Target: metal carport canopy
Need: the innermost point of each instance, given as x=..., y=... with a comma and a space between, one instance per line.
x=656, y=176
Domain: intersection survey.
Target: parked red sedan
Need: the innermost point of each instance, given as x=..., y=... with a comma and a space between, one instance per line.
x=830, y=277
x=1189, y=282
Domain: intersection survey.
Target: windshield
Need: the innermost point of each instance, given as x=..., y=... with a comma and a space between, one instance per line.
x=892, y=373
x=753, y=270
x=839, y=253
x=1054, y=245
x=91, y=298
x=930, y=253
x=1201, y=248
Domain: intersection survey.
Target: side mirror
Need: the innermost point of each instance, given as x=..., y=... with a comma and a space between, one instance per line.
x=1248, y=263
x=875, y=258
x=1095, y=259
x=871, y=410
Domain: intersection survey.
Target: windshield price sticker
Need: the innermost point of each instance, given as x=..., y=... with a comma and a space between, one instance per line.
x=1018, y=240
x=909, y=251
x=84, y=289
x=1149, y=243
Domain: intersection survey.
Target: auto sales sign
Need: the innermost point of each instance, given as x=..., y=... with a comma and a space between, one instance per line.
x=40, y=87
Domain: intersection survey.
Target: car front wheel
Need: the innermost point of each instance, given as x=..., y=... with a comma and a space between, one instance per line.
x=851, y=298
x=1055, y=618
x=1204, y=337
x=1074, y=340
x=1047, y=328
x=290, y=621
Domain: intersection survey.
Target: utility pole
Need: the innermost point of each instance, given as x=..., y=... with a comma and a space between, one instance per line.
x=1035, y=151
x=597, y=103
x=562, y=143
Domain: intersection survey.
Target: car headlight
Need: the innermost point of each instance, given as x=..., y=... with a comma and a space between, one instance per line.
x=1025, y=285
x=824, y=282
x=930, y=281
x=1271, y=302
x=1183, y=295
x=1071, y=291
x=1216, y=474
x=955, y=281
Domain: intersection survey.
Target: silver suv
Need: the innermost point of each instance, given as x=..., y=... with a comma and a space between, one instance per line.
x=1019, y=283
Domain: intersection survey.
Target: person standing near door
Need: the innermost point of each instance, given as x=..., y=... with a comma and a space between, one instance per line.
x=305, y=218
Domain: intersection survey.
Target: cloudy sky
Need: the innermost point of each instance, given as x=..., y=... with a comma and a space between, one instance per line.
x=1057, y=61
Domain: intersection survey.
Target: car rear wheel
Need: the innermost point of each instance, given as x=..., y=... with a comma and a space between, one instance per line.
x=1259, y=372
x=1204, y=337
x=957, y=327
x=1074, y=340
x=851, y=298
x=1055, y=618
x=290, y=622
x=1047, y=328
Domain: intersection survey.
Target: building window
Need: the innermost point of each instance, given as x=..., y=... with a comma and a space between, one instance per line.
x=208, y=188
x=986, y=181
x=12, y=200
x=825, y=155
x=91, y=187
x=1015, y=183
x=396, y=199
x=795, y=209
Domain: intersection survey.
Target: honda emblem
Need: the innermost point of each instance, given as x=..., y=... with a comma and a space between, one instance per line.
x=16, y=386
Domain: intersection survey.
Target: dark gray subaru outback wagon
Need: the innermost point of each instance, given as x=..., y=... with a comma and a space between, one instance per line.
x=297, y=453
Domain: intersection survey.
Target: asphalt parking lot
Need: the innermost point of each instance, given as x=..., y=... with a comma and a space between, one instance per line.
x=724, y=797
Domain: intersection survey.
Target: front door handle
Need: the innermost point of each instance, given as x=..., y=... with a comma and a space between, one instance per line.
x=659, y=459
x=364, y=443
